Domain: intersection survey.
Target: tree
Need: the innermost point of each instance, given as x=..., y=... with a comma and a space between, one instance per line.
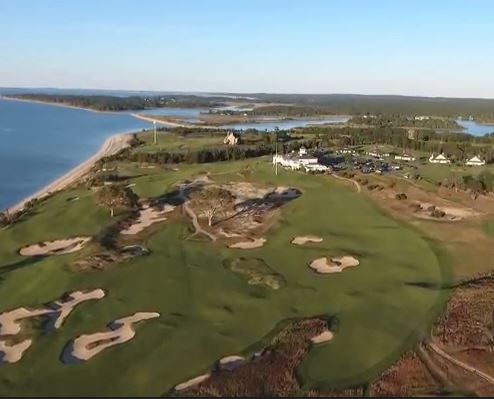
x=211, y=201
x=116, y=196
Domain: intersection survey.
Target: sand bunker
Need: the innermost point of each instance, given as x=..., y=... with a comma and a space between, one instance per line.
x=230, y=362
x=425, y=210
x=13, y=353
x=335, y=265
x=57, y=247
x=325, y=336
x=148, y=216
x=11, y=321
x=62, y=309
x=192, y=382
x=227, y=234
x=255, y=243
x=302, y=240
x=122, y=330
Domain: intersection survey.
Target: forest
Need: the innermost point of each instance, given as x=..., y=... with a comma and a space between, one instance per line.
x=116, y=103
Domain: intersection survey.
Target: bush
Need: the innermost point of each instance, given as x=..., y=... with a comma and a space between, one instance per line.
x=401, y=196
x=437, y=213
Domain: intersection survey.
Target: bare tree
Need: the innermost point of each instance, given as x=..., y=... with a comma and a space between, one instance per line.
x=211, y=201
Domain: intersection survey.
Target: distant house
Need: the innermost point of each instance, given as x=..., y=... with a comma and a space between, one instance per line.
x=231, y=139
x=475, y=161
x=345, y=151
x=296, y=161
x=422, y=118
x=377, y=154
x=441, y=158
x=404, y=157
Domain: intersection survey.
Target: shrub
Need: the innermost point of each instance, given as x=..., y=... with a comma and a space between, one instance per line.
x=437, y=213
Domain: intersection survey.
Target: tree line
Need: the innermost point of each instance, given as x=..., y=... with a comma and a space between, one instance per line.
x=399, y=120
x=116, y=103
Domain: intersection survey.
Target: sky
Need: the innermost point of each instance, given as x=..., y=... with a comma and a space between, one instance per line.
x=409, y=47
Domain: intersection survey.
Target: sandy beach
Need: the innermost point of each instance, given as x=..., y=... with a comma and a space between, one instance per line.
x=170, y=124
x=110, y=147
x=62, y=105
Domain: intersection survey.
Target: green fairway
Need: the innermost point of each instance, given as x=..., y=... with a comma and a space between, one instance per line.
x=208, y=308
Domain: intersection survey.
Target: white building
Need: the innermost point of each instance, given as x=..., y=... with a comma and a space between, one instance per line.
x=439, y=159
x=404, y=157
x=346, y=151
x=475, y=161
x=315, y=167
x=295, y=161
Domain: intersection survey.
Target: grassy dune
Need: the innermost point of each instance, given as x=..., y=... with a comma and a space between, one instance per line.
x=208, y=311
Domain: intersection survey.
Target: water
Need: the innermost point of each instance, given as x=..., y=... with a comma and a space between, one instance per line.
x=191, y=115
x=475, y=128
x=40, y=143
x=287, y=124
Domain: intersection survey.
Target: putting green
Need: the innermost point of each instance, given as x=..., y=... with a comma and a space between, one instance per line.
x=207, y=311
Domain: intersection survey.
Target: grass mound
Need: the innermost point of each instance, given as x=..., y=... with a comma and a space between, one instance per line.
x=257, y=272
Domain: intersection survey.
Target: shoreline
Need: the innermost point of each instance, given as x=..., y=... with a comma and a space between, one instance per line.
x=169, y=123
x=54, y=104
x=111, y=146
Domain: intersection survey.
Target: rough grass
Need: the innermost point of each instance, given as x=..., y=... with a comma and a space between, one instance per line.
x=207, y=311
x=173, y=142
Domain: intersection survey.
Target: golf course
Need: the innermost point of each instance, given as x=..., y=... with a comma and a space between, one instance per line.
x=211, y=301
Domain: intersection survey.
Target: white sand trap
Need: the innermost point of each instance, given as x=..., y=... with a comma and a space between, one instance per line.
x=231, y=362
x=147, y=217
x=230, y=359
x=13, y=353
x=302, y=240
x=325, y=336
x=335, y=265
x=192, y=382
x=256, y=243
x=227, y=234
x=57, y=247
x=10, y=321
x=64, y=308
x=89, y=345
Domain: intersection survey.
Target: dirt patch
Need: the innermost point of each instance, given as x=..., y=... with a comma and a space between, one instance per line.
x=103, y=261
x=56, y=247
x=302, y=240
x=335, y=265
x=255, y=243
x=147, y=217
x=86, y=346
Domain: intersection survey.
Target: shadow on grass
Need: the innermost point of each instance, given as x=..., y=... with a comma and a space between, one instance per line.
x=20, y=264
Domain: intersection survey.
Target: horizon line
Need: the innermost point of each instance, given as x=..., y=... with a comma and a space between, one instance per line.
x=203, y=92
